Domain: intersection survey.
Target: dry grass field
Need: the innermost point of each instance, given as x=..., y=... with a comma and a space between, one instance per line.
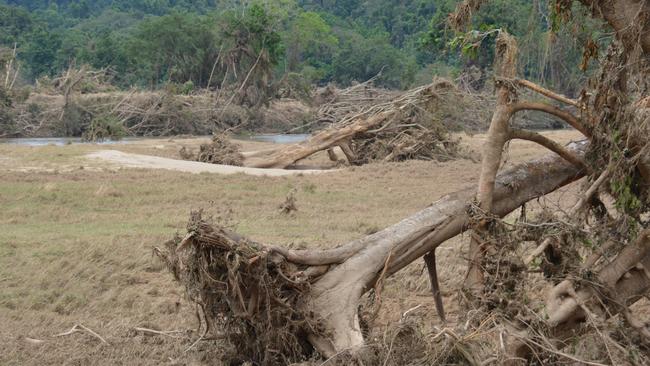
x=76, y=240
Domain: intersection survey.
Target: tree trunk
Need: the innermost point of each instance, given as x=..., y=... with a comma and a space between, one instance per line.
x=284, y=157
x=498, y=135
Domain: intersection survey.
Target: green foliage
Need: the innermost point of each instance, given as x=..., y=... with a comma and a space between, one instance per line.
x=176, y=47
x=187, y=87
x=40, y=51
x=5, y=98
x=154, y=42
x=359, y=58
x=255, y=29
x=626, y=199
x=6, y=113
x=7, y=122
x=310, y=42
x=14, y=22
x=547, y=39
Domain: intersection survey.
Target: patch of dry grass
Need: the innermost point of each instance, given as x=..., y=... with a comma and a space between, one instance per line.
x=76, y=245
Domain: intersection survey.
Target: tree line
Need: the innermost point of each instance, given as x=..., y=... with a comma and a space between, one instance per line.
x=151, y=43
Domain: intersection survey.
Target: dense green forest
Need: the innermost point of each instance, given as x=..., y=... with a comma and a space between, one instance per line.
x=150, y=43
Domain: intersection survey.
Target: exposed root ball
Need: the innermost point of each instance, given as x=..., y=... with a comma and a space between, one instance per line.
x=246, y=293
x=414, y=124
x=220, y=151
x=409, y=144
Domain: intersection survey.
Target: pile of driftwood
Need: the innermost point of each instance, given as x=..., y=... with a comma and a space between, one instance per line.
x=335, y=105
x=143, y=113
x=82, y=100
x=463, y=110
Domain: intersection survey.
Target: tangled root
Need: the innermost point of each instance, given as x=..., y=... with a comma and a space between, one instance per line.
x=220, y=151
x=409, y=144
x=247, y=293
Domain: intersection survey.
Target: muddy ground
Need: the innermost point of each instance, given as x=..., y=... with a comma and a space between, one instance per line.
x=76, y=239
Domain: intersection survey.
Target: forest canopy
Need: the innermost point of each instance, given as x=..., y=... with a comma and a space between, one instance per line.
x=150, y=43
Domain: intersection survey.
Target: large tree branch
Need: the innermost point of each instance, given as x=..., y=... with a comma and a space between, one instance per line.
x=549, y=144
x=543, y=107
x=546, y=92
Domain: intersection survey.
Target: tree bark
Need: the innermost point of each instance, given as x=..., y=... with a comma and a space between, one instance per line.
x=498, y=135
x=335, y=295
x=624, y=16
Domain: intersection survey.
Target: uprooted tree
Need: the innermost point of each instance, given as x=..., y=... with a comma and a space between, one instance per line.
x=366, y=124
x=277, y=305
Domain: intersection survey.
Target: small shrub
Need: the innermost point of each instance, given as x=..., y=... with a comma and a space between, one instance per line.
x=187, y=88
x=289, y=204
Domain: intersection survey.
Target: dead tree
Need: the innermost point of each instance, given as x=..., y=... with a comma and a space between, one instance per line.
x=11, y=69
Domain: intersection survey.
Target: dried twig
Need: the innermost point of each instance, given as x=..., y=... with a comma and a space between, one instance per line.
x=168, y=333
x=34, y=341
x=82, y=328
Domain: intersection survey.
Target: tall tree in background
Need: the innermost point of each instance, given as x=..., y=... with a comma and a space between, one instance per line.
x=251, y=49
x=310, y=43
x=179, y=47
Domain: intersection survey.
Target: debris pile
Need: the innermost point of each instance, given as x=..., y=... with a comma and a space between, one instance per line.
x=388, y=125
x=220, y=151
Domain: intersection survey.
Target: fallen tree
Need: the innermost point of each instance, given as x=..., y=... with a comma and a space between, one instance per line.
x=594, y=257
x=258, y=288
x=398, y=128
x=382, y=126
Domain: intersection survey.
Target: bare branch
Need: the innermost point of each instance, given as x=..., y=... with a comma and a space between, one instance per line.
x=543, y=107
x=82, y=328
x=546, y=92
x=590, y=192
x=539, y=250
x=549, y=144
x=430, y=261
